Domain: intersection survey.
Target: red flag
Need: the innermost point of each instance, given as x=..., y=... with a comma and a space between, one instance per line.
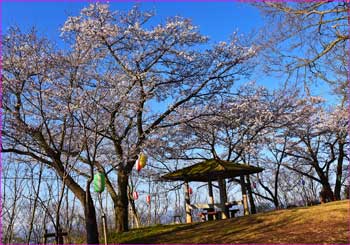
x=148, y=199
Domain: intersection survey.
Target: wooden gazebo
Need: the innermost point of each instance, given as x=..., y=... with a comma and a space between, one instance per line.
x=213, y=170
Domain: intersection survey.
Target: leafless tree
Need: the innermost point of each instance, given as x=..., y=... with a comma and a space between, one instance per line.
x=309, y=40
x=13, y=188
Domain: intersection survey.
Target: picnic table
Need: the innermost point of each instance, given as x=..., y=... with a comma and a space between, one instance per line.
x=215, y=211
x=215, y=205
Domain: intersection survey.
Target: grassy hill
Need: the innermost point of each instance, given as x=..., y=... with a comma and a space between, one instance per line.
x=326, y=223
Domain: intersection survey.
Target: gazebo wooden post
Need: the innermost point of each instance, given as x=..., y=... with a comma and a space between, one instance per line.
x=187, y=203
x=210, y=191
x=223, y=198
x=211, y=198
x=244, y=196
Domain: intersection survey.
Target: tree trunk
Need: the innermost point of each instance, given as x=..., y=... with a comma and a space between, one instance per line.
x=326, y=194
x=250, y=196
x=121, y=208
x=275, y=196
x=223, y=197
x=58, y=226
x=133, y=210
x=337, y=188
x=37, y=191
x=244, y=195
x=113, y=196
x=187, y=203
x=90, y=220
x=86, y=201
x=276, y=202
x=329, y=192
x=135, y=215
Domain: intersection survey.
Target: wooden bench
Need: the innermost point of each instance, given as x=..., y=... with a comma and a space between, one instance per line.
x=233, y=212
x=213, y=215
x=58, y=236
x=209, y=215
x=177, y=217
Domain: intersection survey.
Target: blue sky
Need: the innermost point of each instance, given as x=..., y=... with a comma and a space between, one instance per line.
x=216, y=19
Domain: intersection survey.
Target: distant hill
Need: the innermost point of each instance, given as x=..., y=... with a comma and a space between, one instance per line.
x=326, y=223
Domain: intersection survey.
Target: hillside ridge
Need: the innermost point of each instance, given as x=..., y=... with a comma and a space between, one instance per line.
x=321, y=224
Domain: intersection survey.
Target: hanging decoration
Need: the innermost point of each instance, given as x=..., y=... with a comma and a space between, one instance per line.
x=135, y=195
x=148, y=199
x=141, y=161
x=99, y=182
x=138, y=166
x=190, y=191
x=254, y=185
x=302, y=181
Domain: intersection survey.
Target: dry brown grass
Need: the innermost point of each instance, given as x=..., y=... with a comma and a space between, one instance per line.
x=322, y=224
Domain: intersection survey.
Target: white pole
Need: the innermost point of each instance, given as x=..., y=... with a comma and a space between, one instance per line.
x=104, y=223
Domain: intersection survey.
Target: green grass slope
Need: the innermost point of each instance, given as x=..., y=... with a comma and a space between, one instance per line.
x=322, y=224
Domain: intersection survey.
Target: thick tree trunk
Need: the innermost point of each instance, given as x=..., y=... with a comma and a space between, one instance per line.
x=86, y=201
x=337, y=188
x=187, y=203
x=244, y=195
x=326, y=194
x=90, y=220
x=250, y=196
x=121, y=208
x=276, y=202
x=223, y=197
x=210, y=191
x=275, y=196
x=328, y=190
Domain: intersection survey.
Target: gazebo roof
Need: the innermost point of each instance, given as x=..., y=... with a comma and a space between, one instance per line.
x=212, y=169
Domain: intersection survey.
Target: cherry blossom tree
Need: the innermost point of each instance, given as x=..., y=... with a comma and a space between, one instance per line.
x=310, y=148
x=41, y=100
x=319, y=142
x=148, y=76
x=126, y=86
x=233, y=128
x=235, y=123
x=283, y=130
x=121, y=83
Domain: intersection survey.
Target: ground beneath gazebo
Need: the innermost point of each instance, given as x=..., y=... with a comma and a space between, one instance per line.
x=326, y=223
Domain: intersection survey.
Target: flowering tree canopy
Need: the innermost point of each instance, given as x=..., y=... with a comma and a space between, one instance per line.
x=121, y=82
